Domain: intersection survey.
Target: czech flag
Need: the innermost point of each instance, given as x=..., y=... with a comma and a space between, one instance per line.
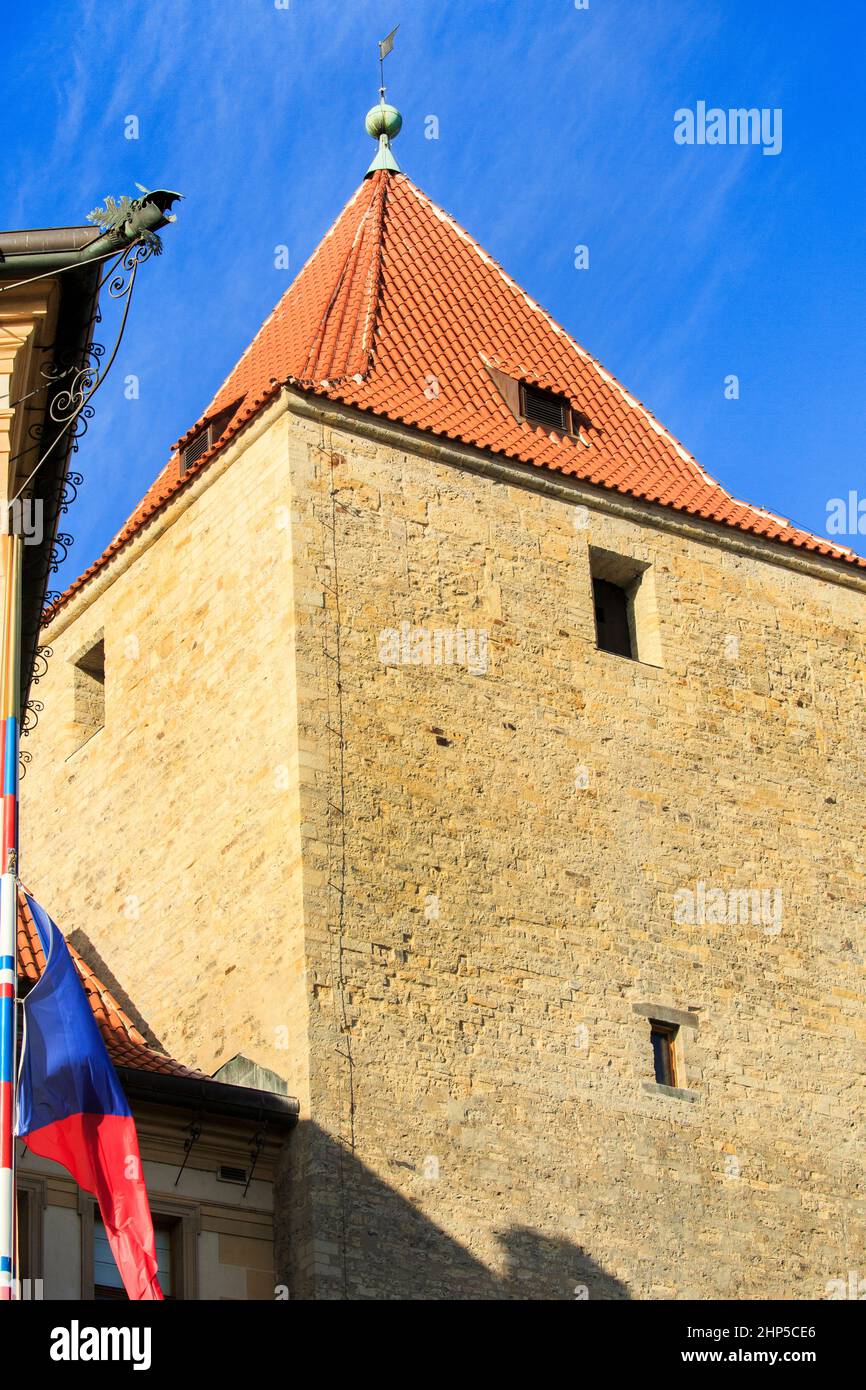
x=71, y=1109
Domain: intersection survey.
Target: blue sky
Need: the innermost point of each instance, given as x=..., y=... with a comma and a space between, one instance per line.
x=556, y=129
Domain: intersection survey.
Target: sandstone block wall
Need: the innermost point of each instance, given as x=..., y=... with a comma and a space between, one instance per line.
x=498, y=868
x=445, y=902
x=166, y=838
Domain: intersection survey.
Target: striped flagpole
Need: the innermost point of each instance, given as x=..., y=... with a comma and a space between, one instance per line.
x=10, y=666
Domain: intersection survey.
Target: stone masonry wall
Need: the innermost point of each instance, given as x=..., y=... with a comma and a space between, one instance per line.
x=167, y=839
x=445, y=903
x=500, y=864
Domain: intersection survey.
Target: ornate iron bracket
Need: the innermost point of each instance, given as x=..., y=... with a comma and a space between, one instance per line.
x=71, y=483
x=59, y=550
x=32, y=711
x=40, y=662
x=70, y=407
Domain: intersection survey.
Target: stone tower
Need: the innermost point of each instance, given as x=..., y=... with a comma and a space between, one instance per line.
x=510, y=778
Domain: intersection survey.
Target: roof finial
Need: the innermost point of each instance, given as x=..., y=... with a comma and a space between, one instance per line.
x=383, y=122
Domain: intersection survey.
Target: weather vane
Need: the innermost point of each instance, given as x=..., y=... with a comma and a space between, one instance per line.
x=385, y=47
x=384, y=121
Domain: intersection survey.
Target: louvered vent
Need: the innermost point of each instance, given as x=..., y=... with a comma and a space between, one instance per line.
x=225, y=1173
x=545, y=408
x=196, y=449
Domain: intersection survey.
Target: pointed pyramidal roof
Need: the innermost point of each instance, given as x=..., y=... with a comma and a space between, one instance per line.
x=400, y=313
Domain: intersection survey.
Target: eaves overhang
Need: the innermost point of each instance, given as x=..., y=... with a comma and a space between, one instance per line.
x=211, y=1097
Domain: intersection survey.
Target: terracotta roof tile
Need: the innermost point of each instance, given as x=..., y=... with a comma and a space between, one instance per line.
x=397, y=294
x=126, y=1045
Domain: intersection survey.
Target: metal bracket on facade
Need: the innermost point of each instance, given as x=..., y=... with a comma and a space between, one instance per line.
x=259, y=1139
x=194, y=1131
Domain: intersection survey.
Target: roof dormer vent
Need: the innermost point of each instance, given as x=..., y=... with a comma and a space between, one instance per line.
x=196, y=448
x=539, y=407
x=206, y=437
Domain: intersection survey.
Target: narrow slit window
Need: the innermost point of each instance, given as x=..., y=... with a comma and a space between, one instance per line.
x=624, y=605
x=89, y=690
x=24, y=1235
x=612, y=618
x=663, y=1038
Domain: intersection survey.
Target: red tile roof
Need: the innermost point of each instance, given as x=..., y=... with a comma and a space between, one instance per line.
x=398, y=312
x=126, y=1045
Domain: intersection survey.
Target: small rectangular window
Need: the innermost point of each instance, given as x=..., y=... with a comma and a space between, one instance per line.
x=663, y=1039
x=611, y=618
x=89, y=689
x=626, y=616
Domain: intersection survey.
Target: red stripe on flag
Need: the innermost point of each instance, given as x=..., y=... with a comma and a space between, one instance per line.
x=101, y=1153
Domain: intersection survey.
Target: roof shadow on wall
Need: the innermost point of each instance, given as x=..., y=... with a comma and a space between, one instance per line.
x=86, y=949
x=393, y=1251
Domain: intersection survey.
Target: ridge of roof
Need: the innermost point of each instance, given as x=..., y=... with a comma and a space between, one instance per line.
x=397, y=293
x=127, y=1047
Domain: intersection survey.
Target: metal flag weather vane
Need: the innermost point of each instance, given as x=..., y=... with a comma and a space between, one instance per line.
x=384, y=122
x=385, y=46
